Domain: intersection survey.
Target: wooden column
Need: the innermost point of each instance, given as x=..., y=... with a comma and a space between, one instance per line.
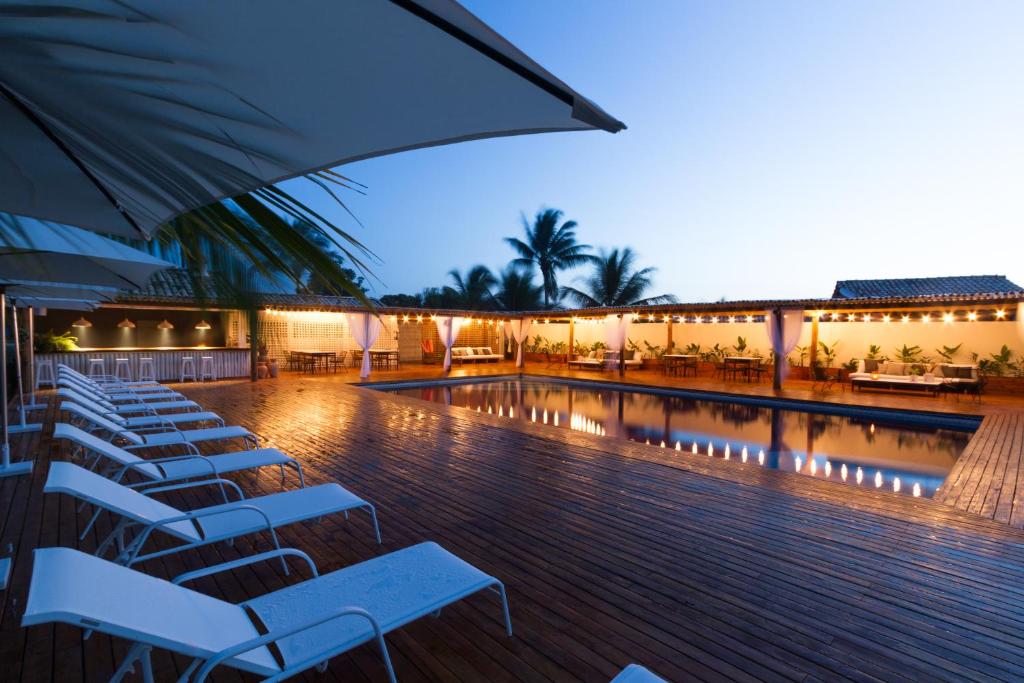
x=572, y=338
x=812, y=354
x=668, y=343
x=778, y=360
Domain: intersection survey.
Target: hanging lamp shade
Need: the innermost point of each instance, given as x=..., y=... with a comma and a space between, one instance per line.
x=165, y=324
x=126, y=324
x=81, y=322
x=203, y=325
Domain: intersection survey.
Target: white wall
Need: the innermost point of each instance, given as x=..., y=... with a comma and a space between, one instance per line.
x=982, y=337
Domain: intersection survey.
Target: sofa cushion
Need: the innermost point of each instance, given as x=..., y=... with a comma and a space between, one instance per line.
x=629, y=354
x=893, y=368
x=459, y=351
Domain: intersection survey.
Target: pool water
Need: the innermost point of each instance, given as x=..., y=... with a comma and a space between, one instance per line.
x=909, y=456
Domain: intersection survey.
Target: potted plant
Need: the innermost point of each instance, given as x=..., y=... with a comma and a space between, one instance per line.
x=50, y=342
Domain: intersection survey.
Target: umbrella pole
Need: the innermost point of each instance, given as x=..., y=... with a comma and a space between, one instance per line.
x=31, y=328
x=22, y=426
x=6, y=468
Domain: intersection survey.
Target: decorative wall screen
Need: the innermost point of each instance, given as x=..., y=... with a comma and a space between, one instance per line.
x=287, y=331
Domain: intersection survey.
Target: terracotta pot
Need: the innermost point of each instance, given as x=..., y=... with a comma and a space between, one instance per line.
x=262, y=371
x=273, y=368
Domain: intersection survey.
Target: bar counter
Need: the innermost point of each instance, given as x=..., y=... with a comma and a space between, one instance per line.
x=227, y=361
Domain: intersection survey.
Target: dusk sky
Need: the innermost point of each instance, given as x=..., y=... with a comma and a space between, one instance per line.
x=772, y=148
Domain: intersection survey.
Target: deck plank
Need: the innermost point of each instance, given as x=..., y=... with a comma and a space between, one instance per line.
x=612, y=551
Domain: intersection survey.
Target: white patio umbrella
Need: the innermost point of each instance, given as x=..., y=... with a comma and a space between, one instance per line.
x=118, y=116
x=43, y=252
x=33, y=250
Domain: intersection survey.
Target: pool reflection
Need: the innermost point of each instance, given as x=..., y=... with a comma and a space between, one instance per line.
x=904, y=459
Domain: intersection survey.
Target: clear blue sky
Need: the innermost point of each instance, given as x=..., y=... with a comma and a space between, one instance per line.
x=773, y=147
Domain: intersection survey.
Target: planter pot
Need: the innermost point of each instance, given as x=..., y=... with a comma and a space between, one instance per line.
x=273, y=368
x=1005, y=385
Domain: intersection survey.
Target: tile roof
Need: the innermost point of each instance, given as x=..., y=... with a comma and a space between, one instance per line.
x=955, y=285
x=174, y=287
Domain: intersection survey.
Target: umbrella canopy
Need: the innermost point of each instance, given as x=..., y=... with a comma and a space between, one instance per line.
x=118, y=116
x=63, y=304
x=43, y=252
x=24, y=291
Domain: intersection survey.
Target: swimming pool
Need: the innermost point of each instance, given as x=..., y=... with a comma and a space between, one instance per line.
x=906, y=453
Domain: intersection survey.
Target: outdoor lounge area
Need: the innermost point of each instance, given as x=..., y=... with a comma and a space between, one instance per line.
x=345, y=341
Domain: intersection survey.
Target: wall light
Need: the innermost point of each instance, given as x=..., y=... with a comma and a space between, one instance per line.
x=906, y=318
x=1000, y=314
x=126, y=324
x=81, y=322
x=925, y=318
x=972, y=316
x=203, y=325
x=165, y=324
x=886, y=318
x=947, y=318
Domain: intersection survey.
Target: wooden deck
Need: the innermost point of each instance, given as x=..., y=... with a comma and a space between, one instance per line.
x=612, y=552
x=988, y=479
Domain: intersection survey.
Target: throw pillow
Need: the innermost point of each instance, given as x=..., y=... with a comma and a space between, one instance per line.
x=871, y=364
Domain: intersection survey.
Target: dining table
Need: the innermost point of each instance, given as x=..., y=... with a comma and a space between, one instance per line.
x=315, y=357
x=385, y=359
x=675, y=362
x=740, y=365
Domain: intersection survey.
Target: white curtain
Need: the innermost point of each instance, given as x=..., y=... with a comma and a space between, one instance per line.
x=365, y=330
x=519, y=330
x=448, y=330
x=616, y=330
x=783, y=345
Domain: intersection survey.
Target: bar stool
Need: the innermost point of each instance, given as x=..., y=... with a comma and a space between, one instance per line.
x=44, y=373
x=188, y=368
x=206, y=370
x=123, y=369
x=147, y=373
x=97, y=368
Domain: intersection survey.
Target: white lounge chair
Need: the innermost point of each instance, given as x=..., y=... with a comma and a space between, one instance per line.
x=140, y=515
x=120, y=396
x=140, y=408
x=120, y=462
x=309, y=622
x=634, y=673
x=152, y=419
x=151, y=438
x=107, y=380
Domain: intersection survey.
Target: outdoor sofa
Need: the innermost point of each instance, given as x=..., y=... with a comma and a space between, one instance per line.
x=914, y=376
x=601, y=359
x=474, y=354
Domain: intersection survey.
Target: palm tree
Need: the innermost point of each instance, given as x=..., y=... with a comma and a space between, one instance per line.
x=615, y=283
x=552, y=247
x=473, y=292
x=516, y=291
